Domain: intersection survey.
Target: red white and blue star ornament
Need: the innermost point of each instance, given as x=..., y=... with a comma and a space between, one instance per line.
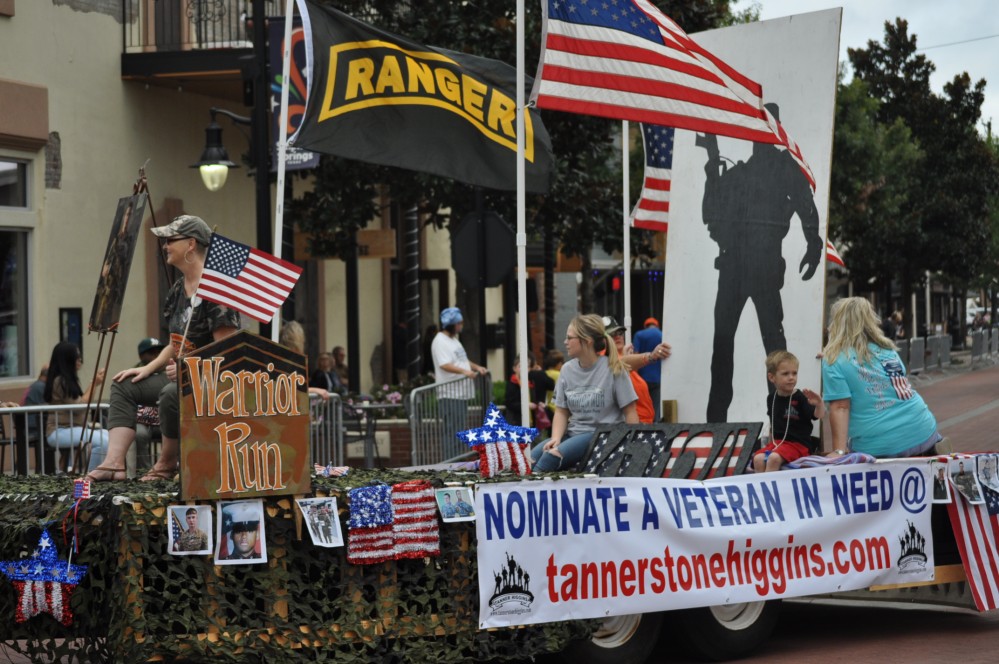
x=501, y=446
x=44, y=583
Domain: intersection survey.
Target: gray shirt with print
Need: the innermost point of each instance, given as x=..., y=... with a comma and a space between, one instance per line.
x=593, y=396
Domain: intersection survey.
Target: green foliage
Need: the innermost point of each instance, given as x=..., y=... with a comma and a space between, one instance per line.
x=138, y=603
x=931, y=213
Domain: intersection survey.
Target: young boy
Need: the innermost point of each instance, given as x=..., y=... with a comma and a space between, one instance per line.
x=790, y=412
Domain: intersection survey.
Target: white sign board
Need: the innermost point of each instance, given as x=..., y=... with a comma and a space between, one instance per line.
x=745, y=228
x=592, y=548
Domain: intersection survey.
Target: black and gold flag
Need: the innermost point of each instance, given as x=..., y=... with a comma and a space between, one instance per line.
x=386, y=99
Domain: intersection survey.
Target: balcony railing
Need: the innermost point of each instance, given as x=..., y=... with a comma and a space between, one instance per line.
x=184, y=25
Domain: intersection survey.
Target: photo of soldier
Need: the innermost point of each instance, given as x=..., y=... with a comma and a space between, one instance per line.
x=117, y=262
x=323, y=521
x=241, y=533
x=941, y=487
x=190, y=529
x=966, y=481
x=454, y=505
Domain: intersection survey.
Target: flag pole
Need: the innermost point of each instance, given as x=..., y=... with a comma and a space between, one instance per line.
x=626, y=215
x=282, y=145
x=522, y=225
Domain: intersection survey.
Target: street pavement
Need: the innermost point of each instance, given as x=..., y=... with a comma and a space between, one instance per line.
x=965, y=402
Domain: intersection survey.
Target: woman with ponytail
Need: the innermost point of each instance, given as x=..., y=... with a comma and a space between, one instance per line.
x=592, y=389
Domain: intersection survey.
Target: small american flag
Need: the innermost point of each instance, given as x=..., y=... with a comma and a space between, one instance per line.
x=629, y=61
x=896, y=374
x=976, y=528
x=832, y=255
x=246, y=279
x=175, y=526
x=652, y=210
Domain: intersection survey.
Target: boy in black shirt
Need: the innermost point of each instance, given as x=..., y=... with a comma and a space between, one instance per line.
x=790, y=412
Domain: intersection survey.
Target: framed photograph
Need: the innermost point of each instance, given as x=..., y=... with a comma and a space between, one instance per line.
x=241, y=535
x=191, y=532
x=941, y=484
x=964, y=477
x=455, y=504
x=117, y=263
x=322, y=519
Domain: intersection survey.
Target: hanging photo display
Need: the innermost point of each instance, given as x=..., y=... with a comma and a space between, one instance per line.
x=241, y=534
x=322, y=520
x=190, y=530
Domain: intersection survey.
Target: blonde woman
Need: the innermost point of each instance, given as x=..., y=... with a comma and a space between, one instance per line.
x=872, y=406
x=592, y=389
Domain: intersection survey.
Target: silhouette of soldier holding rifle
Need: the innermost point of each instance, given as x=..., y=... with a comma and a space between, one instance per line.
x=748, y=210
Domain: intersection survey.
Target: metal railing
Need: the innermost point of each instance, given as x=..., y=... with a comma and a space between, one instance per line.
x=183, y=25
x=437, y=412
x=22, y=436
x=24, y=451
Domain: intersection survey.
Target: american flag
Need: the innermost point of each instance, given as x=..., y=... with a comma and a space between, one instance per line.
x=627, y=60
x=896, y=374
x=652, y=210
x=976, y=528
x=175, y=526
x=832, y=255
x=246, y=279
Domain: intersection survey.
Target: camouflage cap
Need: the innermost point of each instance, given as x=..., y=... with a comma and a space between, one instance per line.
x=186, y=225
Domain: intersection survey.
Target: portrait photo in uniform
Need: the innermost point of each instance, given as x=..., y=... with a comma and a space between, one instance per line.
x=117, y=263
x=241, y=533
x=987, y=471
x=322, y=520
x=191, y=530
x=941, y=482
x=455, y=504
x=963, y=475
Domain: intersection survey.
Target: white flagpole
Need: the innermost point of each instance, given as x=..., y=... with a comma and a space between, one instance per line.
x=626, y=214
x=525, y=396
x=282, y=146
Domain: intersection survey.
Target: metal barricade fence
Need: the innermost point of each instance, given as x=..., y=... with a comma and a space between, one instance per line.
x=437, y=412
x=917, y=355
x=945, y=343
x=978, y=341
x=932, y=353
x=994, y=343
x=326, y=430
x=22, y=434
x=903, y=350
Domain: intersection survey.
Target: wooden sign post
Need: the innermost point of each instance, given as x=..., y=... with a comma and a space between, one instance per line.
x=244, y=420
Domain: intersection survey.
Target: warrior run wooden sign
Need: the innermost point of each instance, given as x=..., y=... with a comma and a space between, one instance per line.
x=244, y=420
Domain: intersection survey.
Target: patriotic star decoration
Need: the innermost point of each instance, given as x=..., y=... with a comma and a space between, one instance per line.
x=495, y=429
x=44, y=583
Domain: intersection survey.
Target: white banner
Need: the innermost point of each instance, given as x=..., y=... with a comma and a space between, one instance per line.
x=592, y=548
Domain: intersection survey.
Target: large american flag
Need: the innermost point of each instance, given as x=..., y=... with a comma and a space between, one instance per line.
x=627, y=60
x=246, y=279
x=976, y=528
x=652, y=210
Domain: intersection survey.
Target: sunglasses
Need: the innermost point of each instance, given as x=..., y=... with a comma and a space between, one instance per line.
x=175, y=238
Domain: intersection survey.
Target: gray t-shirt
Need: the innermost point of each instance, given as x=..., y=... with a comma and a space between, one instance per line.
x=593, y=396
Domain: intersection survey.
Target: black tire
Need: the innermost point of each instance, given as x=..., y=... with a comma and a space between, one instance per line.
x=619, y=640
x=720, y=633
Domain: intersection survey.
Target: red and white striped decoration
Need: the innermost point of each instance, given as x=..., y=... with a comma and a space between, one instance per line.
x=414, y=528
x=502, y=455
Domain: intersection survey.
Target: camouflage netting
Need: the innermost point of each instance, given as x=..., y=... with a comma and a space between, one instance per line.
x=139, y=603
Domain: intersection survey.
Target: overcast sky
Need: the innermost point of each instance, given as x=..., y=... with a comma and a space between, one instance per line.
x=934, y=23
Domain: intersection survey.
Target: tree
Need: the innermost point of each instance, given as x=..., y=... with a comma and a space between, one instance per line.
x=944, y=212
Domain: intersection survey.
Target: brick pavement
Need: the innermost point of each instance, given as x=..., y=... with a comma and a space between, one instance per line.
x=966, y=404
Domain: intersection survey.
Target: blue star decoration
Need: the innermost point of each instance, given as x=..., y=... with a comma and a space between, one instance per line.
x=44, y=583
x=494, y=429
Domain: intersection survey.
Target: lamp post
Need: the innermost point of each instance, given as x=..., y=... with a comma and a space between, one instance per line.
x=215, y=163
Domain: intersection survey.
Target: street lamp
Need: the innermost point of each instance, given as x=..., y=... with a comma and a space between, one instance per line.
x=214, y=164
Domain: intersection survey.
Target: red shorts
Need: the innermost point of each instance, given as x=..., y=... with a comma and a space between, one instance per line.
x=786, y=449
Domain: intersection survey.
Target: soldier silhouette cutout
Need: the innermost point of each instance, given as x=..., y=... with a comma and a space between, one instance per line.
x=748, y=210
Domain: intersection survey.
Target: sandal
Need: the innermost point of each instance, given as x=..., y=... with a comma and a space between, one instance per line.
x=106, y=474
x=154, y=474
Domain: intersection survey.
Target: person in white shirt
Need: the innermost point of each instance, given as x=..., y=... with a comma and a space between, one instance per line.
x=451, y=365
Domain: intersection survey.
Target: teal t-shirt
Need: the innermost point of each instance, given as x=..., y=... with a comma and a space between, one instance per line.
x=887, y=417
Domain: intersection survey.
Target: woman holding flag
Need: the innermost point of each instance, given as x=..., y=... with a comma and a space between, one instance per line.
x=193, y=323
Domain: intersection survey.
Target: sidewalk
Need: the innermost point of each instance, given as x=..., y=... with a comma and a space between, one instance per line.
x=965, y=402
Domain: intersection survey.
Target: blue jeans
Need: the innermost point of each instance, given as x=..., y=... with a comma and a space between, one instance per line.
x=454, y=418
x=65, y=438
x=572, y=450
